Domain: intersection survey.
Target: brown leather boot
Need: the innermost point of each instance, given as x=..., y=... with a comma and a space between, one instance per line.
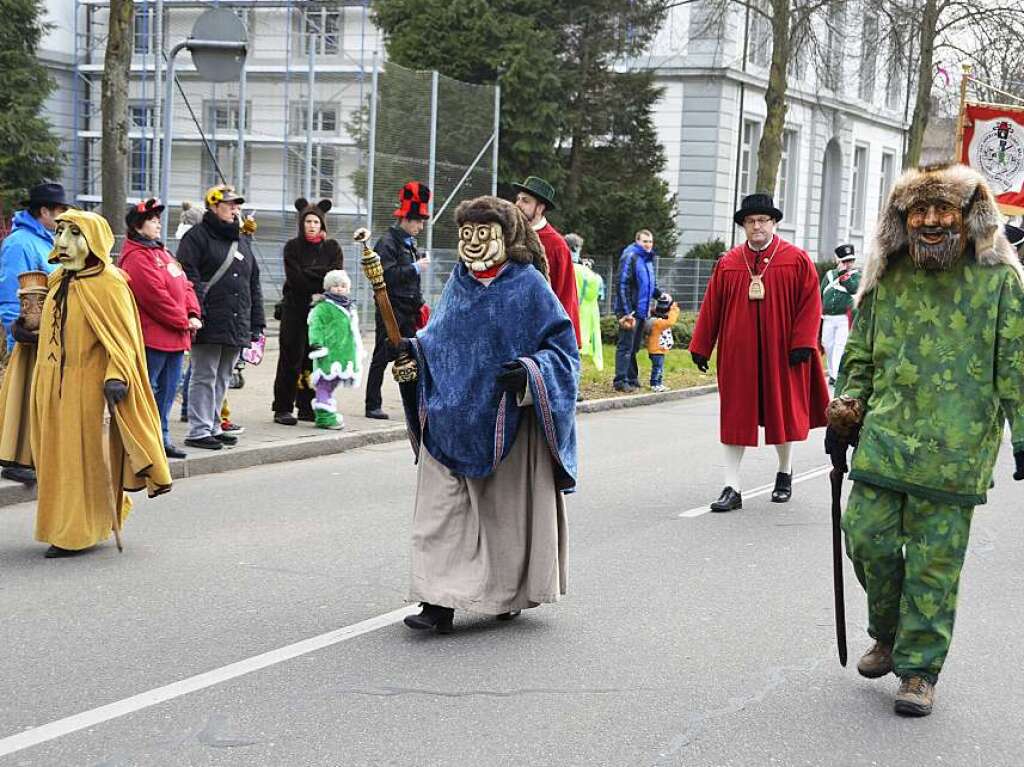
x=876, y=662
x=915, y=697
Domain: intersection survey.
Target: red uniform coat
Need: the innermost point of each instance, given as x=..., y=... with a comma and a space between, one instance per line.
x=563, y=277
x=163, y=294
x=754, y=340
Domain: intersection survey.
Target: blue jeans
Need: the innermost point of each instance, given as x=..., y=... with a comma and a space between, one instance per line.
x=164, y=374
x=657, y=369
x=626, y=371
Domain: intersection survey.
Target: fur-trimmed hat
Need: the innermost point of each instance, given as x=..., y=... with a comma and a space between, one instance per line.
x=521, y=242
x=319, y=210
x=956, y=185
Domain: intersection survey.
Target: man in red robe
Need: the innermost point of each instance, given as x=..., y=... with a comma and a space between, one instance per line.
x=535, y=197
x=763, y=309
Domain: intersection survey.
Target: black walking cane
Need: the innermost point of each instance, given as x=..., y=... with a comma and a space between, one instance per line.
x=836, y=477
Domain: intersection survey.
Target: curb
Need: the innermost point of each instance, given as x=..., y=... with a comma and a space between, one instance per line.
x=315, y=446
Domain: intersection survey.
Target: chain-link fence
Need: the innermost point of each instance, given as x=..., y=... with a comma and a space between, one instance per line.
x=318, y=114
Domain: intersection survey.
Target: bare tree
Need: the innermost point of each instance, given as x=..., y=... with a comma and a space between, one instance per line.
x=967, y=30
x=116, y=73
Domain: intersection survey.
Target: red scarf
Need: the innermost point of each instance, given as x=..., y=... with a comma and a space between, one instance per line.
x=318, y=237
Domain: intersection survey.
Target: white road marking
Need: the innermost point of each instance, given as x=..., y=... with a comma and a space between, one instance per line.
x=61, y=727
x=762, y=490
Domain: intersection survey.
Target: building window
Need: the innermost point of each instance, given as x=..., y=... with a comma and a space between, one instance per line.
x=226, y=153
x=748, y=156
x=323, y=170
x=143, y=30
x=759, y=51
x=141, y=155
x=323, y=27
x=868, y=59
x=223, y=115
x=885, y=182
x=785, y=184
x=857, y=188
x=325, y=118
x=832, y=71
x=892, y=88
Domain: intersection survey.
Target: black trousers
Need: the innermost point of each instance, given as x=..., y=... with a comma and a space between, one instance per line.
x=291, y=383
x=382, y=355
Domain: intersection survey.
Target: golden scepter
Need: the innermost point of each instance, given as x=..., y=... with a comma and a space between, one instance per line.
x=404, y=366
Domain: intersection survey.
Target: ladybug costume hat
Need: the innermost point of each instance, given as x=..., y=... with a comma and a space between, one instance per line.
x=413, y=199
x=143, y=210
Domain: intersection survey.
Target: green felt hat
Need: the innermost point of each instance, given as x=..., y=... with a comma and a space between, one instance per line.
x=539, y=188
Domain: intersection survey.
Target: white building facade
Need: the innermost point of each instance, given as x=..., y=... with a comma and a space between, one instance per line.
x=844, y=133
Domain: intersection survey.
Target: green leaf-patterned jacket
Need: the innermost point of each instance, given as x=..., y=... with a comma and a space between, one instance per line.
x=938, y=359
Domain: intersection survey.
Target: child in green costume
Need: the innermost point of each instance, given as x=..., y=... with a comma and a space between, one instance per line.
x=336, y=347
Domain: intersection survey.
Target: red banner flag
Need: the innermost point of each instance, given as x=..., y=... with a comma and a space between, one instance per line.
x=993, y=145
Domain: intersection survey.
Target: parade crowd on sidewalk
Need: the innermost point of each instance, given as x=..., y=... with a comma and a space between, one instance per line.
x=915, y=359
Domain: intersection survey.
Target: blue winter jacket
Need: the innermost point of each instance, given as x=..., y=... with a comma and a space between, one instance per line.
x=25, y=249
x=637, y=285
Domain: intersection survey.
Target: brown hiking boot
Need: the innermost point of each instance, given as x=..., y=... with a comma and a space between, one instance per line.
x=876, y=662
x=915, y=697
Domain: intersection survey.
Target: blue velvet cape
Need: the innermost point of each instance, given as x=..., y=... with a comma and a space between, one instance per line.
x=465, y=420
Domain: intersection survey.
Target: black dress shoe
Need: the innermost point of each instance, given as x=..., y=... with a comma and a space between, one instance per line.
x=509, y=615
x=783, y=488
x=226, y=439
x=207, y=443
x=56, y=552
x=285, y=419
x=21, y=474
x=307, y=415
x=432, y=617
x=173, y=451
x=729, y=500
x=379, y=414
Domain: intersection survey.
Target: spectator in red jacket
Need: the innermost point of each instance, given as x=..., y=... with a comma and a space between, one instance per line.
x=535, y=197
x=168, y=307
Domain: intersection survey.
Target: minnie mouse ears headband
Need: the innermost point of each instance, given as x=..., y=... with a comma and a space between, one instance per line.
x=142, y=210
x=302, y=204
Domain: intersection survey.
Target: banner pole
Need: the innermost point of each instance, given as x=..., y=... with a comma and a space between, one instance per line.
x=964, y=79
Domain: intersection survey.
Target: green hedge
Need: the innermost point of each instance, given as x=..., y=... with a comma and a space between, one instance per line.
x=682, y=331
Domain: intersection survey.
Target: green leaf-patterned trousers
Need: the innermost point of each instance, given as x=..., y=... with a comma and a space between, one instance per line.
x=907, y=552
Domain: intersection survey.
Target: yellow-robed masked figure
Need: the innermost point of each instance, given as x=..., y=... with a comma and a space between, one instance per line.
x=90, y=357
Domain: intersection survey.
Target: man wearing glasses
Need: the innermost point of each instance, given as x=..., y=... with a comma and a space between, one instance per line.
x=762, y=307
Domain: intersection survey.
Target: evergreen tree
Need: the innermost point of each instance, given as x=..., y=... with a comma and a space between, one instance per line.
x=570, y=112
x=29, y=151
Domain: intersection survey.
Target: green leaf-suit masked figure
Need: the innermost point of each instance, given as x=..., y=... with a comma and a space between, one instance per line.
x=935, y=363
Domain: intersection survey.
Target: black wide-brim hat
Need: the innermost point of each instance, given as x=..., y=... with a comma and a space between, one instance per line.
x=537, y=187
x=756, y=204
x=47, y=194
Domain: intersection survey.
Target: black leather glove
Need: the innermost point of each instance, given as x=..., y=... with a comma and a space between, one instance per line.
x=799, y=356
x=22, y=334
x=1018, y=458
x=114, y=391
x=404, y=346
x=512, y=377
x=700, y=361
x=836, y=446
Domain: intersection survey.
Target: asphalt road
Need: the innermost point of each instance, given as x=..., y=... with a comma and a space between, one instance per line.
x=701, y=640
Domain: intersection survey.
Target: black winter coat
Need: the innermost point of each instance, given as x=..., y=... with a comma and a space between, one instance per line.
x=233, y=308
x=400, y=275
x=305, y=266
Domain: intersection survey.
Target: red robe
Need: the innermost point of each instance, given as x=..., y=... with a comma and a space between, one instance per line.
x=563, y=277
x=792, y=398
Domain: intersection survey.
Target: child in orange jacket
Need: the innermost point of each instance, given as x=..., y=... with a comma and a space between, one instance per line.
x=659, y=340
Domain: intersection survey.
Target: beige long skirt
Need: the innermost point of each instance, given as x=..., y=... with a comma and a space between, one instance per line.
x=495, y=544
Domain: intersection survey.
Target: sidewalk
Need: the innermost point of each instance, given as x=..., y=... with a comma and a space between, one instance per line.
x=265, y=442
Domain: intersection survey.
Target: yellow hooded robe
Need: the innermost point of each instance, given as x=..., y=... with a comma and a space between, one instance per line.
x=89, y=334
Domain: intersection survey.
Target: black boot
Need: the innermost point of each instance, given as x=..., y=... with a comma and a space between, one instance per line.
x=783, y=488
x=508, y=616
x=22, y=474
x=729, y=500
x=56, y=552
x=432, y=617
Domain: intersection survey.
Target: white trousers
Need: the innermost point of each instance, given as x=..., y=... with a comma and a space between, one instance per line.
x=835, y=329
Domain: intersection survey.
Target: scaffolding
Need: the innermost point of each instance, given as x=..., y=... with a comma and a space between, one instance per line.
x=318, y=113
